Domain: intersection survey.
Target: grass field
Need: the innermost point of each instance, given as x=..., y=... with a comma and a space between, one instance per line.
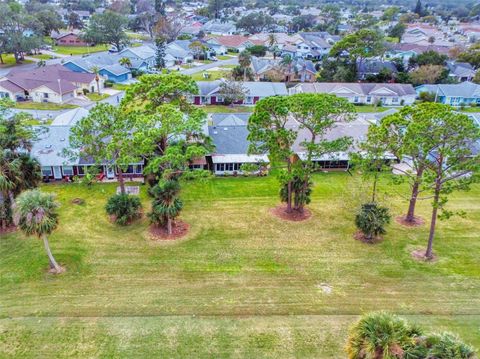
x=79, y=50
x=214, y=75
x=227, y=109
x=30, y=105
x=42, y=56
x=9, y=61
x=94, y=96
x=241, y=284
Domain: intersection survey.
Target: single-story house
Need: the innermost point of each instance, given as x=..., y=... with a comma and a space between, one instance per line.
x=236, y=43
x=363, y=93
x=465, y=93
x=460, y=71
x=300, y=70
x=373, y=67
x=216, y=27
x=48, y=148
x=179, y=50
x=68, y=38
x=229, y=133
x=108, y=65
x=144, y=54
x=210, y=92
x=52, y=83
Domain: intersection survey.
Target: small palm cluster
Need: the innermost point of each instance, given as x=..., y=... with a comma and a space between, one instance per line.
x=384, y=336
x=166, y=205
x=124, y=208
x=372, y=219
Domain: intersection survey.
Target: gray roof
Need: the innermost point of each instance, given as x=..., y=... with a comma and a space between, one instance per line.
x=144, y=52
x=105, y=61
x=48, y=147
x=220, y=27
x=372, y=66
x=383, y=89
x=465, y=89
x=229, y=119
x=260, y=89
x=460, y=69
x=70, y=118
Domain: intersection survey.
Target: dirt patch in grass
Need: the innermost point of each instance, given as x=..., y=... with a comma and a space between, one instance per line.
x=8, y=229
x=419, y=255
x=417, y=221
x=294, y=216
x=179, y=230
x=359, y=236
x=54, y=271
x=78, y=201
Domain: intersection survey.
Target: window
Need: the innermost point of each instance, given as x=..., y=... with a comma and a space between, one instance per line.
x=229, y=167
x=220, y=167
x=139, y=169
x=395, y=99
x=355, y=99
x=81, y=170
x=220, y=99
x=46, y=171
x=45, y=95
x=67, y=170
x=129, y=169
x=369, y=99
x=249, y=100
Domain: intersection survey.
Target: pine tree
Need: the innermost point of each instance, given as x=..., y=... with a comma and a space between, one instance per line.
x=160, y=53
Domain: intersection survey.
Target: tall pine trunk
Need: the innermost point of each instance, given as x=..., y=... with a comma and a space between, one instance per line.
x=429, y=252
x=289, y=188
x=51, y=258
x=413, y=198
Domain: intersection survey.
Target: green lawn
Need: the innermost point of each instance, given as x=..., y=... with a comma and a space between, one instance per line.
x=370, y=108
x=43, y=56
x=79, y=50
x=9, y=61
x=223, y=57
x=93, y=96
x=227, y=109
x=214, y=75
x=43, y=106
x=121, y=87
x=241, y=284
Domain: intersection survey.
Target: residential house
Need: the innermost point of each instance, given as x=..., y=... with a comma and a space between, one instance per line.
x=374, y=67
x=236, y=43
x=465, y=93
x=216, y=27
x=145, y=55
x=48, y=148
x=52, y=83
x=299, y=70
x=210, y=92
x=314, y=45
x=229, y=133
x=460, y=71
x=179, y=50
x=68, y=38
x=363, y=93
x=407, y=51
x=108, y=65
x=424, y=34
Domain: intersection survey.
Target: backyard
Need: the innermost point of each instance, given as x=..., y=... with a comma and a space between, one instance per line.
x=241, y=284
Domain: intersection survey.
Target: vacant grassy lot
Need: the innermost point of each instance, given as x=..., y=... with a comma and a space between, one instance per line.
x=30, y=105
x=9, y=61
x=241, y=284
x=79, y=50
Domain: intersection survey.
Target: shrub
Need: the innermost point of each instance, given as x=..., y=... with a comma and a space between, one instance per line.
x=85, y=91
x=381, y=335
x=108, y=83
x=427, y=96
x=371, y=220
x=124, y=207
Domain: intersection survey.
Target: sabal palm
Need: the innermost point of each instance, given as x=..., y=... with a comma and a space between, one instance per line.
x=381, y=336
x=245, y=59
x=125, y=61
x=10, y=176
x=36, y=214
x=166, y=205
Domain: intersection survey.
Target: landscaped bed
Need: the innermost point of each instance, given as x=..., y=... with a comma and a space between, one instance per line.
x=240, y=283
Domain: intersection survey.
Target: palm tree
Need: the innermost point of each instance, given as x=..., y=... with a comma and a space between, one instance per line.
x=96, y=71
x=245, y=59
x=380, y=335
x=10, y=175
x=287, y=62
x=371, y=220
x=125, y=61
x=36, y=214
x=272, y=44
x=166, y=205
